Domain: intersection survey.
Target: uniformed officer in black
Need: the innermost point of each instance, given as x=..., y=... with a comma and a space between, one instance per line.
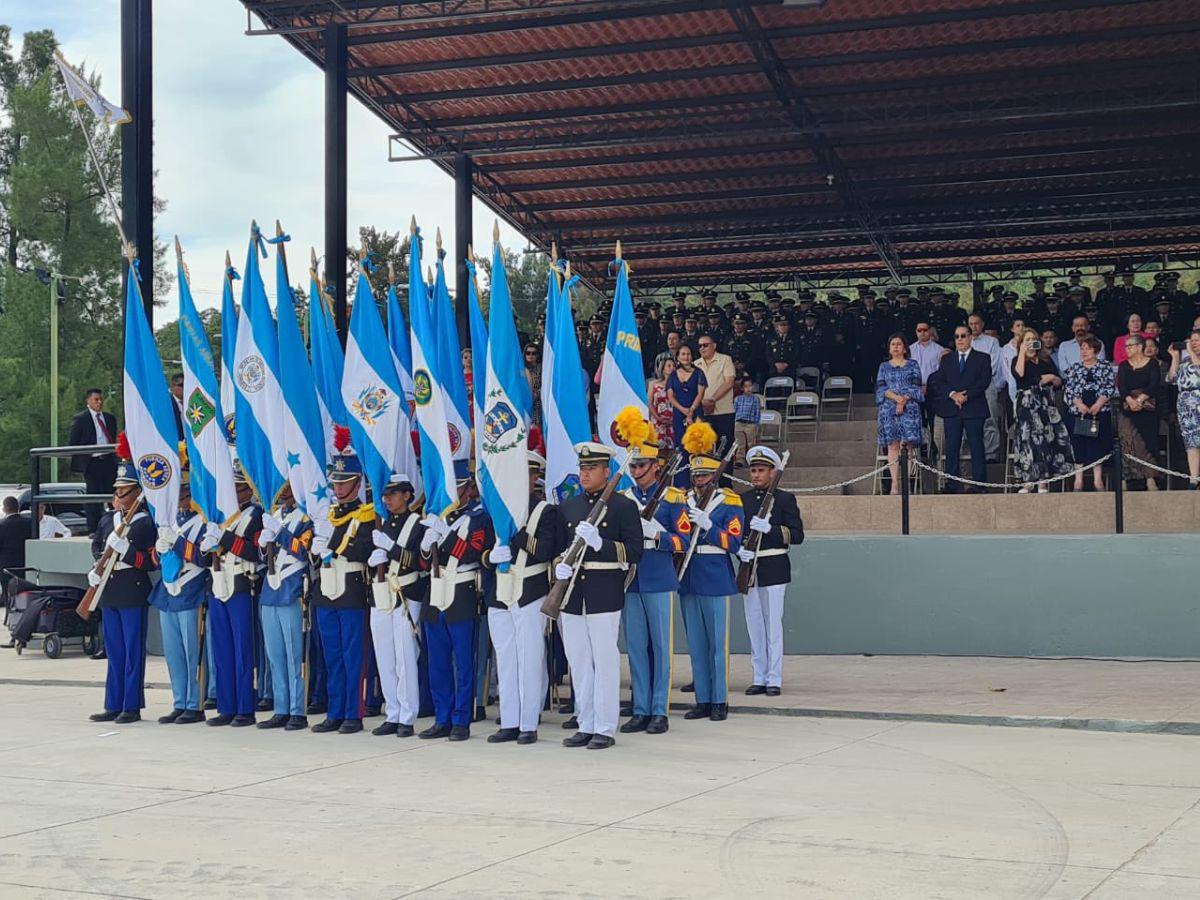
x=782, y=351
x=1055, y=317
x=715, y=327
x=746, y=348
x=812, y=345
x=648, y=335
x=1075, y=280
x=1007, y=314
x=944, y=316
x=591, y=616
x=872, y=326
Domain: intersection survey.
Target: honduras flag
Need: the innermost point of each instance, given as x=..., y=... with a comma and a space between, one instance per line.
x=449, y=365
x=564, y=394
x=213, y=490
x=399, y=341
x=303, y=432
x=503, y=467
x=479, y=354
x=437, y=463
x=149, y=417
x=258, y=400
x=622, y=382
x=229, y=326
x=328, y=361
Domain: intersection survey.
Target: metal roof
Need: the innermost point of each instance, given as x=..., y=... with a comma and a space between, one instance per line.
x=748, y=140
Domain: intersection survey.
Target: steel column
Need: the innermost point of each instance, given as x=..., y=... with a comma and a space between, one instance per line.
x=464, y=168
x=137, y=141
x=335, y=171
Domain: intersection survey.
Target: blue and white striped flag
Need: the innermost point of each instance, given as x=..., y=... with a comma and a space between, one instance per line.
x=437, y=462
x=328, y=361
x=564, y=394
x=258, y=399
x=399, y=340
x=622, y=382
x=479, y=353
x=303, y=431
x=449, y=365
x=149, y=416
x=213, y=490
x=229, y=327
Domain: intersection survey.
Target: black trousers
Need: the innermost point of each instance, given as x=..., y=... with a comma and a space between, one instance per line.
x=955, y=426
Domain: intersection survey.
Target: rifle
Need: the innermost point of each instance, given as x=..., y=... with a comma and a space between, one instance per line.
x=651, y=507
x=703, y=496
x=104, y=565
x=748, y=571
x=560, y=591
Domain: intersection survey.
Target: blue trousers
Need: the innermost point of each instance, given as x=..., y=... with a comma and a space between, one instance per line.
x=344, y=637
x=426, y=708
x=707, y=621
x=232, y=625
x=125, y=645
x=283, y=634
x=181, y=647
x=262, y=662
x=648, y=643
x=451, y=651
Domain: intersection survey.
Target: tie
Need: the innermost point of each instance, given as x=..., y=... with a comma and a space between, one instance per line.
x=962, y=363
x=103, y=428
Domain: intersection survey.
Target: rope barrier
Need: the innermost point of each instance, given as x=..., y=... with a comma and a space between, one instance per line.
x=1149, y=465
x=824, y=487
x=1005, y=486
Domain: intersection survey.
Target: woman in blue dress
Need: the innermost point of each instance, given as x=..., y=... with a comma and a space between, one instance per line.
x=898, y=398
x=685, y=391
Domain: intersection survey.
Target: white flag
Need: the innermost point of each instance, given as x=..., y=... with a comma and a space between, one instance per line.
x=83, y=94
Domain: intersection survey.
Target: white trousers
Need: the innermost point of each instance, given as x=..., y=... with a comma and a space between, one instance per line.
x=396, y=654
x=595, y=661
x=518, y=634
x=764, y=621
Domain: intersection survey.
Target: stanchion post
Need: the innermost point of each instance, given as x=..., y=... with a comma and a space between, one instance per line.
x=904, y=489
x=1118, y=475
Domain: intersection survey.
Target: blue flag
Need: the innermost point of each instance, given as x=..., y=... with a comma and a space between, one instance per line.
x=449, y=365
x=399, y=341
x=564, y=394
x=229, y=327
x=479, y=352
x=622, y=381
x=328, y=362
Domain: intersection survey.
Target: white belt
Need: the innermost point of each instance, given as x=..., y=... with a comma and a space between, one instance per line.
x=709, y=548
x=403, y=581
x=536, y=569
x=776, y=551
x=598, y=566
x=353, y=567
x=117, y=567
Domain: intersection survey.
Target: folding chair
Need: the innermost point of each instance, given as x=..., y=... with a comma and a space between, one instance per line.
x=808, y=378
x=776, y=390
x=803, y=410
x=837, y=390
x=770, y=419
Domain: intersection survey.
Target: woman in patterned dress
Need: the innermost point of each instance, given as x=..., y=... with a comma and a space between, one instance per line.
x=898, y=398
x=1185, y=375
x=1090, y=383
x=1041, y=443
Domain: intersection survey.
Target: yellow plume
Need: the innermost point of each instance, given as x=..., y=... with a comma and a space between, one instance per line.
x=699, y=438
x=632, y=428
x=652, y=437
x=183, y=455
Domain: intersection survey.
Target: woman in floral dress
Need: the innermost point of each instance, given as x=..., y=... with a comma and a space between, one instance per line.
x=898, y=398
x=1041, y=442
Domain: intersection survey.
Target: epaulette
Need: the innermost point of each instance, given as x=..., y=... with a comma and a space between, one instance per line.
x=731, y=497
x=675, y=495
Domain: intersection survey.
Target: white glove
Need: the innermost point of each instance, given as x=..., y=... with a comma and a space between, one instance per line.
x=563, y=572
x=428, y=539
x=93, y=578
x=437, y=525
x=377, y=558
x=381, y=540
x=167, y=535
x=587, y=532
x=269, y=532
x=501, y=553
x=651, y=529
x=320, y=546
x=758, y=523
x=212, y=536
x=270, y=522
x=323, y=528
x=117, y=543
x=745, y=555
x=699, y=517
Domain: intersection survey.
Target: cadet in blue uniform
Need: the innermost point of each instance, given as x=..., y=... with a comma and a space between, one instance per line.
x=181, y=597
x=342, y=596
x=650, y=602
x=123, y=600
x=285, y=538
x=772, y=569
x=514, y=613
x=234, y=573
x=396, y=616
x=707, y=585
x=591, y=618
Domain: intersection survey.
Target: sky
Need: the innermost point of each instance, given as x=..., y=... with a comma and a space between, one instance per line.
x=239, y=135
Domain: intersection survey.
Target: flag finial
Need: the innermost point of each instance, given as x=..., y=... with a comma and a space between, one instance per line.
x=312, y=257
x=178, y=249
x=391, y=272
x=438, y=238
x=278, y=229
x=618, y=249
x=567, y=273
x=496, y=231
x=412, y=227
x=470, y=251
x=228, y=261
x=553, y=252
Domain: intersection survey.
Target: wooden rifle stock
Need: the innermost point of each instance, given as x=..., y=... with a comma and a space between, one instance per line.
x=104, y=564
x=704, y=496
x=651, y=507
x=748, y=570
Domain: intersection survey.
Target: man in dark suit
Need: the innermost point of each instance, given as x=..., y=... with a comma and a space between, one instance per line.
x=177, y=402
x=958, y=393
x=94, y=426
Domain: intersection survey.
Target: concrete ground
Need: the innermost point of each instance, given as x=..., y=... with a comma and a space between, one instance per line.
x=758, y=806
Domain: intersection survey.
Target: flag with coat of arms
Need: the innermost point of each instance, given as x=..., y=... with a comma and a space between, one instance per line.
x=622, y=382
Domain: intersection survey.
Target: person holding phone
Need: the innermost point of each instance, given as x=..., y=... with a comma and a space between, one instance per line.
x=1041, y=442
x=1185, y=375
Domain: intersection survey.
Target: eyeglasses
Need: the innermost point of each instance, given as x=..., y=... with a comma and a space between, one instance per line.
x=704, y=344
x=919, y=330
x=960, y=335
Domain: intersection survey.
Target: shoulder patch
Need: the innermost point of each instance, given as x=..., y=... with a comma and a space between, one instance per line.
x=675, y=495
x=731, y=497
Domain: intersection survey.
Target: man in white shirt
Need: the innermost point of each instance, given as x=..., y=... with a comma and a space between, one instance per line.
x=1068, y=351
x=928, y=354
x=1009, y=352
x=718, y=396
x=985, y=343
x=50, y=526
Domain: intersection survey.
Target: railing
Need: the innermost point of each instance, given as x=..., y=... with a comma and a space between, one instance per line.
x=37, y=498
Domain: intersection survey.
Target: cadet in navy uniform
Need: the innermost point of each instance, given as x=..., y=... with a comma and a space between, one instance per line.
x=285, y=540
x=342, y=594
x=591, y=617
x=708, y=584
x=396, y=619
x=650, y=603
x=234, y=573
x=515, y=612
x=123, y=600
x=454, y=602
x=181, y=597
x=772, y=569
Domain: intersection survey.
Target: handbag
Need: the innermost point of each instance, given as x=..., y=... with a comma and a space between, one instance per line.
x=1087, y=427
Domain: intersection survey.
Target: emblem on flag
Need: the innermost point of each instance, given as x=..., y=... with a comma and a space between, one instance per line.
x=200, y=411
x=455, y=437
x=230, y=430
x=422, y=387
x=498, y=421
x=154, y=470
x=372, y=403
x=251, y=376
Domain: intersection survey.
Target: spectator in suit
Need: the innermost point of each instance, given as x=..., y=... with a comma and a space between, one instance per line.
x=14, y=531
x=177, y=402
x=959, y=393
x=94, y=426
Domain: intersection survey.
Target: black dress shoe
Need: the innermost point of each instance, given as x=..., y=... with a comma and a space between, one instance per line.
x=217, y=721
x=773, y=691
x=572, y=722
x=460, y=732
x=387, y=729
x=600, y=742
x=209, y=704
x=243, y=720
x=350, y=726
x=189, y=717
x=699, y=711
x=637, y=723
x=689, y=688
x=126, y=717
x=756, y=689
x=372, y=712
x=480, y=714
x=503, y=736
x=316, y=709
x=99, y=654
x=435, y=731
x=627, y=710
x=107, y=716
x=579, y=739
x=404, y=731
x=296, y=723
x=567, y=708
x=657, y=725
x=276, y=721
x=264, y=704
x=720, y=712
x=527, y=737
x=326, y=725
x=170, y=717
